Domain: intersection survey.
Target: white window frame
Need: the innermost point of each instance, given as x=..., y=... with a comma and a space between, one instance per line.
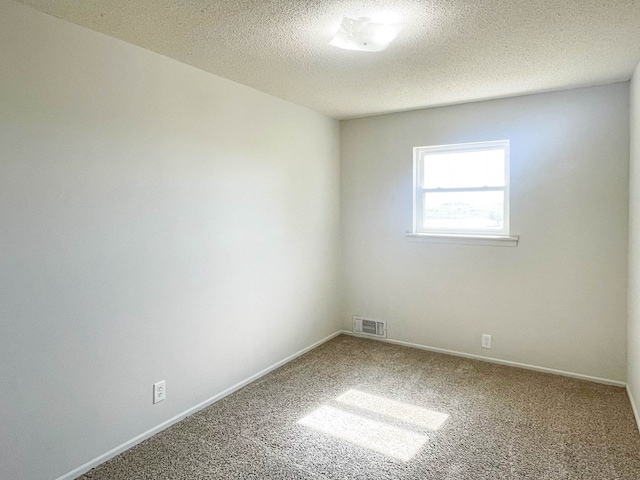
x=419, y=153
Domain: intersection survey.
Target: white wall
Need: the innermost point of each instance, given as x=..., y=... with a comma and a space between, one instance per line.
x=558, y=300
x=156, y=223
x=633, y=332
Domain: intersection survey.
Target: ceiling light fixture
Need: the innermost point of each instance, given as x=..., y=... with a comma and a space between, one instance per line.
x=365, y=35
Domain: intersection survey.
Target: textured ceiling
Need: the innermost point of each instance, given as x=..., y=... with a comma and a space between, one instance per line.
x=451, y=51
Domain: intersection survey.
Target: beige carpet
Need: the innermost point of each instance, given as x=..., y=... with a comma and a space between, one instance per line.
x=360, y=409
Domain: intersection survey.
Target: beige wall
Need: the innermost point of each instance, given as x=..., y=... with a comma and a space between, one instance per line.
x=633, y=332
x=156, y=223
x=558, y=300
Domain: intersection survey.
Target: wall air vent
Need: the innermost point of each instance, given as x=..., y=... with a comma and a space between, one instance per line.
x=366, y=326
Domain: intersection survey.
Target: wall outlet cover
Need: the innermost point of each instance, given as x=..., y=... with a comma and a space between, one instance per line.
x=159, y=391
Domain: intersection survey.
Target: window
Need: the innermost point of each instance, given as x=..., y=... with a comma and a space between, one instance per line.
x=462, y=189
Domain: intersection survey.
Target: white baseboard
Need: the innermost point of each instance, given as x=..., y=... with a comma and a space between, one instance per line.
x=509, y=363
x=149, y=433
x=633, y=407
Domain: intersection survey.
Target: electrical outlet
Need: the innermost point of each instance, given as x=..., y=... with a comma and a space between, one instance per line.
x=486, y=341
x=159, y=391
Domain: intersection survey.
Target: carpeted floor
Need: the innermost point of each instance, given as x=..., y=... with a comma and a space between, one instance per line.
x=360, y=409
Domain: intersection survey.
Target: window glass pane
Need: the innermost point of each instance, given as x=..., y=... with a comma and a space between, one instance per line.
x=484, y=168
x=463, y=210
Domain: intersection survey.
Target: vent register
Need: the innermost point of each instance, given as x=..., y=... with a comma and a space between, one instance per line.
x=366, y=326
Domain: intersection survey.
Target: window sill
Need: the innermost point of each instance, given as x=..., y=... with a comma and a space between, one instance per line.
x=487, y=240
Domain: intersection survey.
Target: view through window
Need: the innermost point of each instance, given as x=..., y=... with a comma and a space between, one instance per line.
x=462, y=189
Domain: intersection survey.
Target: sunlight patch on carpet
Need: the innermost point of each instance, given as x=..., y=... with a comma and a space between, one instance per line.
x=377, y=436
x=422, y=417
